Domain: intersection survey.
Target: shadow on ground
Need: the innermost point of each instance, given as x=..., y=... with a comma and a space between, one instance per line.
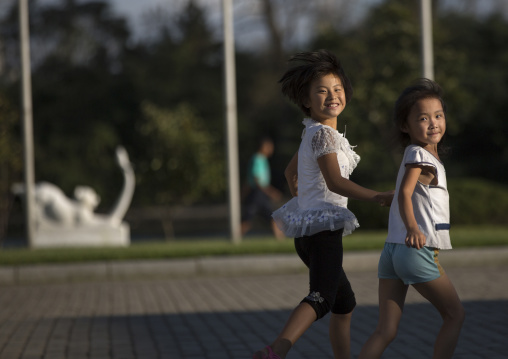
x=235, y=335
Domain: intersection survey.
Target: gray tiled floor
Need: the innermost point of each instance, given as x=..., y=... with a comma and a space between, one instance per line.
x=229, y=317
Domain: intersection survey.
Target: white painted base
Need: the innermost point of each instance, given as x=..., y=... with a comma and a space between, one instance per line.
x=87, y=236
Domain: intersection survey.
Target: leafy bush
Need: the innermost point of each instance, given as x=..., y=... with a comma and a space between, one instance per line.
x=477, y=201
x=472, y=202
x=11, y=158
x=182, y=162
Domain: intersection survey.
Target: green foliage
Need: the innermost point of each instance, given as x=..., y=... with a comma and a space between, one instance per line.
x=381, y=57
x=180, y=66
x=76, y=129
x=94, y=89
x=176, y=142
x=371, y=215
x=182, y=163
x=476, y=201
x=78, y=101
x=11, y=160
x=10, y=144
x=472, y=202
x=471, y=64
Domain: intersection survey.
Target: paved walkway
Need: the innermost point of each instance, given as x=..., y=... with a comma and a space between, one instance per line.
x=230, y=316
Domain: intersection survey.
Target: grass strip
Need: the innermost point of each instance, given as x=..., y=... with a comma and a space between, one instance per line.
x=199, y=247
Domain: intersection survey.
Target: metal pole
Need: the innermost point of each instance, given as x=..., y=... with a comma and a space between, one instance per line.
x=427, y=44
x=231, y=123
x=27, y=127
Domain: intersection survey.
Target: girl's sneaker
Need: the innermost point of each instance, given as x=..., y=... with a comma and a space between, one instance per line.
x=269, y=354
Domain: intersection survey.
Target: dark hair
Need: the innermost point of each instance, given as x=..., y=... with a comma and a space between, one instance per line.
x=312, y=65
x=422, y=89
x=264, y=139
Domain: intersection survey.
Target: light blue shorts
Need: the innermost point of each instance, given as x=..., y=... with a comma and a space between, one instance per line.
x=409, y=264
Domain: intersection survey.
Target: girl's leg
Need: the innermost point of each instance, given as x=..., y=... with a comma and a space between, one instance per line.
x=340, y=335
x=279, y=235
x=392, y=294
x=441, y=293
x=322, y=253
x=299, y=321
x=340, y=320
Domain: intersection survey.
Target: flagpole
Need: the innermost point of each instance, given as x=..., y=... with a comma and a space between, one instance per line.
x=27, y=123
x=231, y=124
x=427, y=43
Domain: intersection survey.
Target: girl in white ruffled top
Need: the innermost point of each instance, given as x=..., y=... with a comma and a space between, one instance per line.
x=317, y=216
x=317, y=208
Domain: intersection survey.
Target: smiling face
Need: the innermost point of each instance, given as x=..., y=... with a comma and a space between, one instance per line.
x=326, y=99
x=426, y=123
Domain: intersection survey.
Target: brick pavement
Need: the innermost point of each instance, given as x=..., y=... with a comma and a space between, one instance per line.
x=223, y=317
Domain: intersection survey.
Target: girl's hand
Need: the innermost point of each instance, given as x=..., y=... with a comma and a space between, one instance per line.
x=415, y=238
x=384, y=198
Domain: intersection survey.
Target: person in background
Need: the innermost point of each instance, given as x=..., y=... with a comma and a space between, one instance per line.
x=259, y=194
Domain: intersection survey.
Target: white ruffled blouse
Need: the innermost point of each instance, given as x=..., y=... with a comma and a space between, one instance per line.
x=316, y=208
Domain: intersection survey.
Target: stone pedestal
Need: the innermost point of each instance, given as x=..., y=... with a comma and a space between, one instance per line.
x=89, y=236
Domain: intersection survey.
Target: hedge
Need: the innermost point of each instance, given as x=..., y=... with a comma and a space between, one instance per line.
x=472, y=202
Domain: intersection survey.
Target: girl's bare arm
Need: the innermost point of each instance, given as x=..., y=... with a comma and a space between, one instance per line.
x=291, y=174
x=414, y=237
x=330, y=169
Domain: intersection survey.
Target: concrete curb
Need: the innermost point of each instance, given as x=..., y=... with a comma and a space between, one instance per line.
x=236, y=265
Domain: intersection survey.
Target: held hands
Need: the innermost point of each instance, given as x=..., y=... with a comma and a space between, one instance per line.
x=415, y=238
x=384, y=198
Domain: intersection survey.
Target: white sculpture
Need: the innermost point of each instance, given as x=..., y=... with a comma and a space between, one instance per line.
x=53, y=208
x=62, y=221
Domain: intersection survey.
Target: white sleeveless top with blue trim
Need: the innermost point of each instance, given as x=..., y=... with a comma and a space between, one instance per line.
x=430, y=203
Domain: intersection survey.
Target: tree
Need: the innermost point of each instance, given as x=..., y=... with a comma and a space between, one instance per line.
x=471, y=60
x=181, y=163
x=95, y=88
x=179, y=68
x=79, y=100
x=11, y=159
x=381, y=56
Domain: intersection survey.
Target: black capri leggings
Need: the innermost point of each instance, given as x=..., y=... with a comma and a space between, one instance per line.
x=329, y=287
